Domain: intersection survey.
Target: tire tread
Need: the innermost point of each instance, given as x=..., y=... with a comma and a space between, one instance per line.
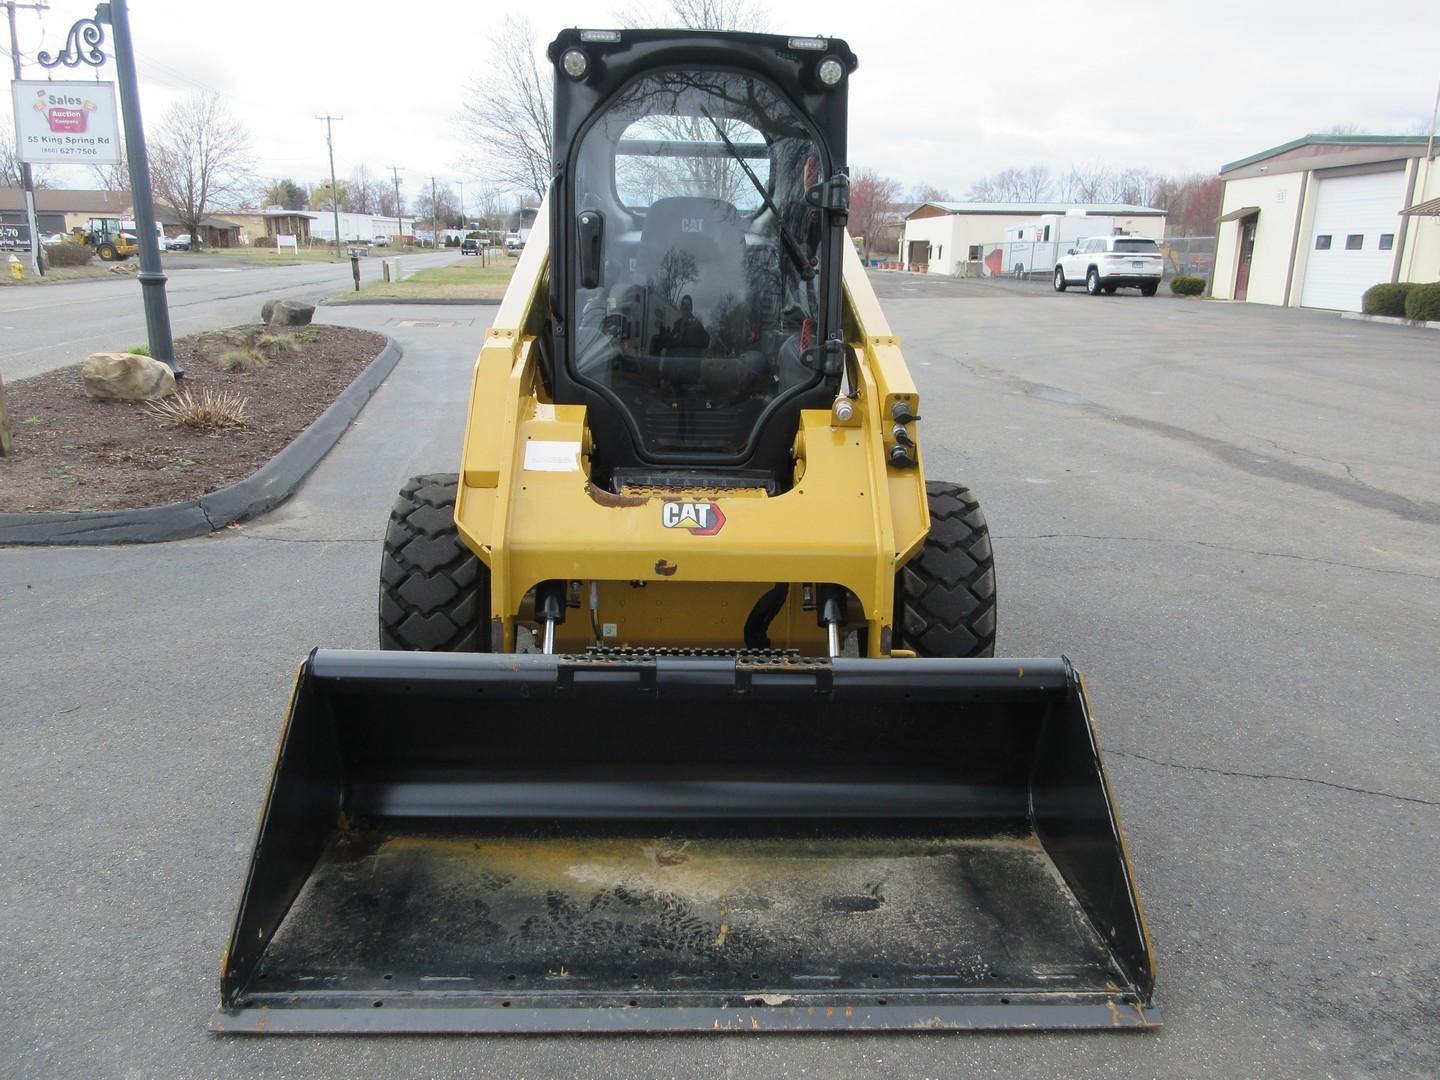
x=434, y=592
x=946, y=594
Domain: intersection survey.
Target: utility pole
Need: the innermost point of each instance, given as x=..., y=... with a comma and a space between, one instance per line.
x=399, y=215
x=434, y=231
x=464, y=225
x=27, y=178
x=334, y=191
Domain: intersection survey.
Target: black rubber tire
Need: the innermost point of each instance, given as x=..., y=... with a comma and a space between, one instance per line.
x=1059, y=279
x=1092, y=282
x=1149, y=290
x=107, y=253
x=434, y=592
x=945, y=596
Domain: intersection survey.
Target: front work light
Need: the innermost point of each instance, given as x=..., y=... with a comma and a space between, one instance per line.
x=831, y=71
x=575, y=63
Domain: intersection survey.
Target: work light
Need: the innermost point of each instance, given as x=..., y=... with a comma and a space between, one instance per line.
x=575, y=63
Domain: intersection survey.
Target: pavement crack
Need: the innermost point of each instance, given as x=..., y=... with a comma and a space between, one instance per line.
x=1220, y=547
x=1240, y=774
x=313, y=539
x=1349, y=488
x=1313, y=457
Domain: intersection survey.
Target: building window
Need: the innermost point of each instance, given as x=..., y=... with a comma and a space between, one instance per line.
x=939, y=250
x=1322, y=242
x=1047, y=234
x=1387, y=241
x=974, y=252
x=1355, y=241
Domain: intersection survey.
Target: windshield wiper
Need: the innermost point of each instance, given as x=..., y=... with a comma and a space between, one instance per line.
x=802, y=264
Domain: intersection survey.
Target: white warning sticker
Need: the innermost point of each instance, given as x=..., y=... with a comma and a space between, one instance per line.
x=552, y=456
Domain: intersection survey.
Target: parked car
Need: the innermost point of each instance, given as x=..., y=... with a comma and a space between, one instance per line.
x=513, y=242
x=380, y=241
x=181, y=243
x=470, y=246
x=1107, y=263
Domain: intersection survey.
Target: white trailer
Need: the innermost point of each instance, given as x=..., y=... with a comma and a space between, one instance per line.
x=1035, y=247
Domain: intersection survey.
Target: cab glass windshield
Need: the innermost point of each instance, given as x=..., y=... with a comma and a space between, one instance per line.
x=696, y=259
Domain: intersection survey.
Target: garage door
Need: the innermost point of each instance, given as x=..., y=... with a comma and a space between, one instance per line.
x=1353, y=238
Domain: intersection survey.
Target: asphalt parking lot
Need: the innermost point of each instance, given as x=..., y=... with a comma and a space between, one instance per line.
x=1226, y=515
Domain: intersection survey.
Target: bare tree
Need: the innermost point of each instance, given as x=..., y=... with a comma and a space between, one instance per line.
x=11, y=174
x=508, y=112
x=924, y=193
x=1035, y=184
x=1085, y=184
x=443, y=209
x=113, y=177
x=199, y=157
x=698, y=15
x=1191, y=203
x=391, y=205
x=491, y=204
x=1013, y=185
x=872, y=206
x=365, y=190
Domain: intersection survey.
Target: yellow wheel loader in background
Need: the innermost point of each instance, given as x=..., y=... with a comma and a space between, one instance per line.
x=685, y=715
x=108, y=239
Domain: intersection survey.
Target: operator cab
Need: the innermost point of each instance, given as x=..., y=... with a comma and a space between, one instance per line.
x=698, y=208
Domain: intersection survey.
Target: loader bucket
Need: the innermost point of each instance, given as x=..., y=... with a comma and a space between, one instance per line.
x=641, y=842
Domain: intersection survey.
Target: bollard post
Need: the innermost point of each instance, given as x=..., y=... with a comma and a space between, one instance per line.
x=355, y=270
x=6, y=445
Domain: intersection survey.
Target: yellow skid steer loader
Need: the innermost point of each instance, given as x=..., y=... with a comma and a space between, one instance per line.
x=686, y=716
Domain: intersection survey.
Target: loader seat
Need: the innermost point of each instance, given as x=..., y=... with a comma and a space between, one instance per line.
x=692, y=251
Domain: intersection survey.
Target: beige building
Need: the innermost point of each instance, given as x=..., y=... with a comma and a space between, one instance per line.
x=58, y=210
x=1317, y=221
x=955, y=237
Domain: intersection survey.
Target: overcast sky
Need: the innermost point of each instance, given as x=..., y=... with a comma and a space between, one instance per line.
x=945, y=93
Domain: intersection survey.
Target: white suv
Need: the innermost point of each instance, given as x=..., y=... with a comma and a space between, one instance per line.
x=1107, y=263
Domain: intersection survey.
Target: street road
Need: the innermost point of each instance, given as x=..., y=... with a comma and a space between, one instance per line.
x=1227, y=515
x=49, y=326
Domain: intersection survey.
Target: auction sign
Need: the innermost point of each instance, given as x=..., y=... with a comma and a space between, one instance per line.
x=66, y=123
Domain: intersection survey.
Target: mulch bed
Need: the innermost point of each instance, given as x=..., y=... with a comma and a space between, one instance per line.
x=75, y=453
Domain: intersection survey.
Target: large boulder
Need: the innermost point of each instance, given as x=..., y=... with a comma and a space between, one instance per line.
x=112, y=376
x=266, y=310
x=291, y=313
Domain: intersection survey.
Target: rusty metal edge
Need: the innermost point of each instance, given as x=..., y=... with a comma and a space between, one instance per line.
x=1112, y=1013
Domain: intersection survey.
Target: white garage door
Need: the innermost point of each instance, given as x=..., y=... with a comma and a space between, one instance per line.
x=1353, y=238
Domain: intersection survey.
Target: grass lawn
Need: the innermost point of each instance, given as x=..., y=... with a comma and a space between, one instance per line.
x=56, y=274
x=267, y=256
x=466, y=280
x=254, y=256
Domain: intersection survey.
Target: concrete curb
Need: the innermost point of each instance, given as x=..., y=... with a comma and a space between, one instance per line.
x=263, y=490
x=1432, y=324
x=446, y=301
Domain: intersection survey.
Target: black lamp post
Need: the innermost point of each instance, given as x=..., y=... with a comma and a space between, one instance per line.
x=83, y=46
